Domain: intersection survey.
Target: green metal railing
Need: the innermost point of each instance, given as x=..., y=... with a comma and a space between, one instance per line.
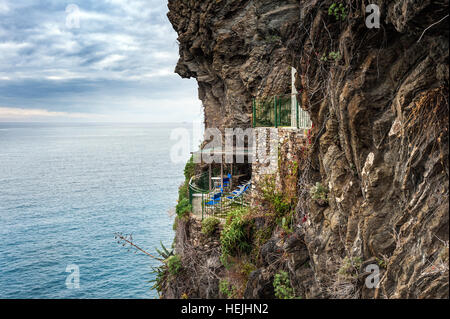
x=276, y=111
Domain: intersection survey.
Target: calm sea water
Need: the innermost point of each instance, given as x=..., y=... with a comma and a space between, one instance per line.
x=66, y=189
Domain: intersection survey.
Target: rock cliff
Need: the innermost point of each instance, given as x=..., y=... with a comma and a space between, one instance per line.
x=234, y=49
x=378, y=99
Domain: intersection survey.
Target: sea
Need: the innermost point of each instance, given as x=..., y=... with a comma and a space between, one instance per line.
x=66, y=189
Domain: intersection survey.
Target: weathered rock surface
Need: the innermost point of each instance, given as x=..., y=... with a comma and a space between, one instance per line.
x=381, y=123
x=380, y=137
x=234, y=50
x=201, y=266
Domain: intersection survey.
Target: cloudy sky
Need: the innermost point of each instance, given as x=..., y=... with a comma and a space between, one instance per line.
x=91, y=60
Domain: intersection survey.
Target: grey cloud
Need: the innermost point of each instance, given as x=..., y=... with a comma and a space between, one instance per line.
x=123, y=50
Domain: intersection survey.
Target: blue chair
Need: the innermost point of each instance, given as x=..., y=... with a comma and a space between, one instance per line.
x=238, y=190
x=216, y=198
x=226, y=181
x=237, y=193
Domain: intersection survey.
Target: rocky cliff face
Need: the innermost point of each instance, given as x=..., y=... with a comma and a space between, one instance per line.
x=234, y=49
x=379, y=104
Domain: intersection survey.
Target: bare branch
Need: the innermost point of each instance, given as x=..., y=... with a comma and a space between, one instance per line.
x=130, y=242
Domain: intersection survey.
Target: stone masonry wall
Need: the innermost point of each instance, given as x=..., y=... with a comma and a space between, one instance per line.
x=277, y=152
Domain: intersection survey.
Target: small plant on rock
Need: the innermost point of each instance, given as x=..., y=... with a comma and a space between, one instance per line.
x=226, y=289
x=174, y=264
x=333, y=56
x=382, y=263
x=183, y=208
x=161, y=272
x=278, y=200
x=282, y=286
x=338, y=11
x=319, y=192
x=235, y=237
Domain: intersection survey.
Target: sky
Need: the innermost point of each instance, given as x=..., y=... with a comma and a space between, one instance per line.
x=91, y=60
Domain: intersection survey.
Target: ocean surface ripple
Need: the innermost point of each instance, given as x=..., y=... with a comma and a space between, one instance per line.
x=66, y=189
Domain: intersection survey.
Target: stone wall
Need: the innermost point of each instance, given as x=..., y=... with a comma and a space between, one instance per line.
x=278, y=151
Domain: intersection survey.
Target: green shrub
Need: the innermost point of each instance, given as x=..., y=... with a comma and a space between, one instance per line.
x=338, y=11
x=235, y=236
x=159, y=280
x=161, y=271
x=183, y=208
x=282, y=286
x=226, y=289
x=209, y=225
x=278, y=200
x=183, y=191
x=319, y=191
x=335, y=56
x=382, y=262
x=175, y=223
x=173, y=264
x=189, y=169
x=281, y=204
